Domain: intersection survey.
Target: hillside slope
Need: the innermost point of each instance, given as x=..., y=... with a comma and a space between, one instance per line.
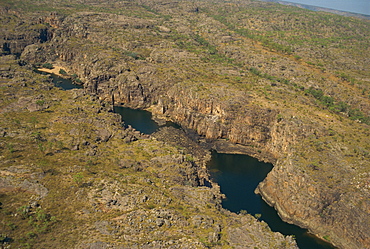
x=290, y=85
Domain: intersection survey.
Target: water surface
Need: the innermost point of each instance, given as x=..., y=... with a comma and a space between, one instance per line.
x=65, y=84
x=141, y=120
x=238, y=177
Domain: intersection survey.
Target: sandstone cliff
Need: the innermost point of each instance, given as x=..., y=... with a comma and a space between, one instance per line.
x=240, y=73
x=73, y=177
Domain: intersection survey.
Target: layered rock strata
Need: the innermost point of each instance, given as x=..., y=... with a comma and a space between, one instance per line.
x=224, y=84
x=72, y=176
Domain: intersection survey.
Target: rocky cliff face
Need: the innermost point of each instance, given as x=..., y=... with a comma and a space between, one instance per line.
x=325, y=210
x=299, y=197
x=14, y=38
x=73, y=177
x=223, y=79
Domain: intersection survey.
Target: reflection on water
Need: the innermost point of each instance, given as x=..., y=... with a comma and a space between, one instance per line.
x=238, y=177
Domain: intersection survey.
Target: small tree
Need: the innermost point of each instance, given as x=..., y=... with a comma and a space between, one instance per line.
x=48, y=65
x=78, y=178
x=62, y=72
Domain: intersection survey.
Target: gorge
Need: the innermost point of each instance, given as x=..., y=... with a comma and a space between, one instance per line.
x=238, y=176
x=285, y=85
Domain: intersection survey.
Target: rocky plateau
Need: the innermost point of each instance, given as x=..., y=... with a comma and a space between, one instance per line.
x=285, y=85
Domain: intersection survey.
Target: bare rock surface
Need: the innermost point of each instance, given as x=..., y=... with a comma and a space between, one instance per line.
x=286, y=85
x=73, y=176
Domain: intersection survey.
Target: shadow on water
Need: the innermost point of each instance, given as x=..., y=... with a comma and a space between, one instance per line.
x=141, y=120
x=304, y=239
x=65, y=84
x=238, y=177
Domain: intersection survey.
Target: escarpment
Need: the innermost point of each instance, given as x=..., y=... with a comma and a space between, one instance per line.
x=74, y=177
x=218, y=71
x=323, y=209
x=13, y=41
x=313, y=181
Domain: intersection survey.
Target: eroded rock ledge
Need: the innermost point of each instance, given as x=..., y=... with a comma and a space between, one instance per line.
x=320, y=179
x=74, y=177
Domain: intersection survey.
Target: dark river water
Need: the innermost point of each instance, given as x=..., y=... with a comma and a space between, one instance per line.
x=237, y=175
x=141, y=120
x=65, y=84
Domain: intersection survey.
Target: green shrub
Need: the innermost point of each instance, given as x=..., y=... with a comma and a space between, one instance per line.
x=338, y=106
x=78, y=178
x=134, y=55
x=40, y=102
x=62, y=72
x=77, y=80
x=48, y=65
x=356, y=114
x=255, y=71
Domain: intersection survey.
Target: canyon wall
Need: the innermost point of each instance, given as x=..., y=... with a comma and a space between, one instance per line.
x=320, y=197
x=320, y=180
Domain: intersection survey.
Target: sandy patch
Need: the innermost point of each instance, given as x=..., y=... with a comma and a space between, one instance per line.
x=55, y=70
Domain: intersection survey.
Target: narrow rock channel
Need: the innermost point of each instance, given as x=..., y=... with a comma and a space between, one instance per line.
x=238, y=177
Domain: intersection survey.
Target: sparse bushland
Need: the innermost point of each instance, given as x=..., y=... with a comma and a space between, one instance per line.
x=290, y=84
x=72, y=176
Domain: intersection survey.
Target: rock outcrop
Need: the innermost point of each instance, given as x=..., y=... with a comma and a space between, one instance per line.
x=236, y=73
x=73, y=176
